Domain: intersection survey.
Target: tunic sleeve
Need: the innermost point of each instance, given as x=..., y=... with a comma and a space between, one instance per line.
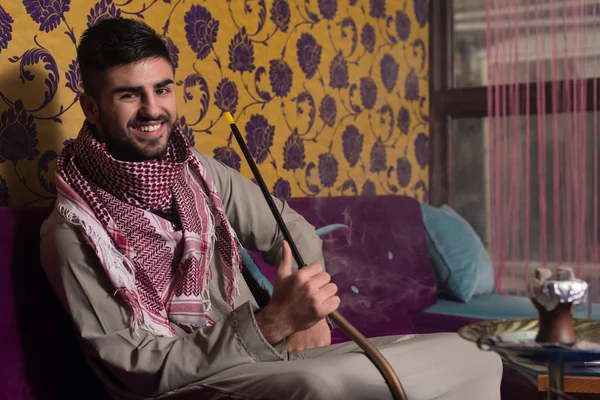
x=139, y=362
x=251, y=217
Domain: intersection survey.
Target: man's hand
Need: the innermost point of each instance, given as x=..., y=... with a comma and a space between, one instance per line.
x=299, y=300
x=317, y=336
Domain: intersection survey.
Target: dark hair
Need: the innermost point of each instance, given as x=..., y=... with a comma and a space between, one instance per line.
x=113, y=42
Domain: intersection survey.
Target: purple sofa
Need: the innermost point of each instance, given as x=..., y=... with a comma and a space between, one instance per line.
x=40, y=358
x=376, y=252
x=374, y=248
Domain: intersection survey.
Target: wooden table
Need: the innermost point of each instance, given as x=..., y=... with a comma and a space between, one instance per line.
x=576, y=384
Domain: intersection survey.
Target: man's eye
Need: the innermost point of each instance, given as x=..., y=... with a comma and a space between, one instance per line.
x=128, y=96
x=162, y=91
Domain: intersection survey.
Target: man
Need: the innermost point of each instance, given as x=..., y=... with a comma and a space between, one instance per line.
x=142, y=250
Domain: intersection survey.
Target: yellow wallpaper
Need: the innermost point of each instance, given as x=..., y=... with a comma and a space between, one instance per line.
x=331, y=95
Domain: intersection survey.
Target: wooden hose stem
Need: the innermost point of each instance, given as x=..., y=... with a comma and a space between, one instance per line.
x=371, y=351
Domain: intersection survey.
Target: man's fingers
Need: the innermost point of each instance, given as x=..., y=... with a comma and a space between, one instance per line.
x=309, y=272
x=320, y=280
x=285, y=266
x=327, y=292
x=331, y=304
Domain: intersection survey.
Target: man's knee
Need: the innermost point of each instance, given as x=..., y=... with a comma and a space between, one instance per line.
x=485, y=365
x=310, y=385
x=485, y=361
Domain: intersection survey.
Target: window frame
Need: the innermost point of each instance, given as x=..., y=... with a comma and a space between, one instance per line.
x=448, y=102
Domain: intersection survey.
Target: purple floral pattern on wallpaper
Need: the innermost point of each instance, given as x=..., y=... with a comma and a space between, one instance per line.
x=228, y=156
x=352, y=142
x=293, y=152
x=404, y=170
x=404, y=120
x=421, y=11
x=328, y=8
x=378, y=156
x=328, y=169
x=280, y=76
x=411, y=86
x=328, y=110
x=282, y=189
x=377, y=9
x=329, y=93
x=18, y=135
x=368, y=188
x=241, y=53
x=173, y=51
x=259, y=137
x=5, y=28
x=421, y=192
x=368, y=92
x=309, y=54
x=47, y=13
x=44, y=178
x=226, y=95
x=73, y=76
x=102, y=10
x=367, y=37
x=338, y=72
x=402, y=25
x=186, y=130
x=422, y=149
x=200, y=30
x=281, y=14
x=389, y=69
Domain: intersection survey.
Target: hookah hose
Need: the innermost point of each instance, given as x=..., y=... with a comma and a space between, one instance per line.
x=371, y=351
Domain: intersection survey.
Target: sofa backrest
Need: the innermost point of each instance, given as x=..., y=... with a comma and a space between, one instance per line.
x=383, y=250
x=376, y=251
x=40, y=358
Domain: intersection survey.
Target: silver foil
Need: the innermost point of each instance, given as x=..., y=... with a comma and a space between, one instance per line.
x=563, y=288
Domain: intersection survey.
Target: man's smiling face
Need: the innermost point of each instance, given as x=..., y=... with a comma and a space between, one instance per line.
x=136, y=109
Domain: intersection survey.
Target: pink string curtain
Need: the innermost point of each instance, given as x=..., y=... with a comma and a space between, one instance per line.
x=542, y=132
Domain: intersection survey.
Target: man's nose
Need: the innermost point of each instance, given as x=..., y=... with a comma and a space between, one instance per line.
x=150, y=107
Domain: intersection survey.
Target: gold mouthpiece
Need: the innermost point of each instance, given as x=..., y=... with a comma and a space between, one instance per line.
x=229, y=118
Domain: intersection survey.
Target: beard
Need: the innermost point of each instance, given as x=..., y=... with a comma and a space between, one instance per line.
x=125, y=148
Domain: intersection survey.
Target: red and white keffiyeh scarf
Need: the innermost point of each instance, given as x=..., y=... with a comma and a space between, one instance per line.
x=126, y=210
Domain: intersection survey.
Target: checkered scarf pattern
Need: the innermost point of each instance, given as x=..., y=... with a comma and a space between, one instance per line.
x=126, y=212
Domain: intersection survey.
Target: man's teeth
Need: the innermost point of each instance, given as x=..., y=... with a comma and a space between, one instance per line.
x=150, y=128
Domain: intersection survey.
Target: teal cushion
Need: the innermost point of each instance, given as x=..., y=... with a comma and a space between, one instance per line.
x=462, y=264
x=496, y=306
x=248, y=263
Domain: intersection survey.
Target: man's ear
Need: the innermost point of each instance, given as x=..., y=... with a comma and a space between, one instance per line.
x=90, y=108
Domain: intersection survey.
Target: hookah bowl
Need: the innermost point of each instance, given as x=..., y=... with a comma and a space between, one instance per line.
x=555, y=300
x=554, y=339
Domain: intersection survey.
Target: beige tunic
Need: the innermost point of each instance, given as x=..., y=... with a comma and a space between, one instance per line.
x=231, y=359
